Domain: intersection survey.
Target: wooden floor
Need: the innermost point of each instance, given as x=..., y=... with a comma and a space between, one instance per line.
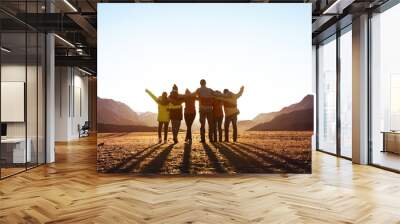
x=387, y=159
x=70, y=191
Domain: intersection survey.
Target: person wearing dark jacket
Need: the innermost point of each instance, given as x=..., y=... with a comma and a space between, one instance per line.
x=175, y=111
x=205, y=96
x=189, y=113
x=218, y=116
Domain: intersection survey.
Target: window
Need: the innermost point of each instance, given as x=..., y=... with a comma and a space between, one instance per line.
x=327, y=96
x=394, y=102
x=346, y=94
x=385, y=89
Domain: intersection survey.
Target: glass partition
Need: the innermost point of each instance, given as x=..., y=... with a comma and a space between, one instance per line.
x=31, y=98
x=327, y=96
x=14, y=155
x=385, y=89
x=23, y=91
x=346, y=94
x=32, y=101
x=41, y=91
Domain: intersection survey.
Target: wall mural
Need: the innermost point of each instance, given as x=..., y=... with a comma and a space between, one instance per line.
x=197, y=89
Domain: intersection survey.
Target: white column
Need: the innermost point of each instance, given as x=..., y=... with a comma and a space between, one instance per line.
x=314, y=91
x=50, y=99
x=360, y=90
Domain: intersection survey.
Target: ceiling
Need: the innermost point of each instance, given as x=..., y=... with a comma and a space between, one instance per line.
x=75, y=21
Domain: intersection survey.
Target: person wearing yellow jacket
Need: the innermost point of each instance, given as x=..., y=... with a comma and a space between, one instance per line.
x=231, y=111
x=163, y=113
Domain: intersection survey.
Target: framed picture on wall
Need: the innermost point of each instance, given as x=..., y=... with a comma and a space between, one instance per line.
x=194, y=89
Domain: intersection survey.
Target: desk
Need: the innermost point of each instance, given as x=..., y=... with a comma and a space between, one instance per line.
x=391, y=141
x=13, y=150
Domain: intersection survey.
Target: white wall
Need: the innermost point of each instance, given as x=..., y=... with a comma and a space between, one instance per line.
x=71, y=102
x=80, y=111
x=12, y=73
x=33, y=127
x=61, y=103
x=16, y=73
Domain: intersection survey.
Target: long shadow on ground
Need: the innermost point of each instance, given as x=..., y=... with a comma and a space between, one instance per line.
x=240, y=162
x=187, y=151
x=257, y=164
x=213, y=159
x=129, y=159
x=134, y=160
x=271, y=164
x=155, y=165
x=290, y=164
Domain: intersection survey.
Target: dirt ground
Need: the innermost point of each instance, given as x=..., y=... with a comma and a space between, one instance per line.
x=255, y=152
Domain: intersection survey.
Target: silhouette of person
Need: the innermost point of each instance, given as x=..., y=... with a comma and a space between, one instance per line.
x=163, y=114
x=218, y=115
x=175, y=111
x=189, y=113
x=231, y=111
x=205, y=97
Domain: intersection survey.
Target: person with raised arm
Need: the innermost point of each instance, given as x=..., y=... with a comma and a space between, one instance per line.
x=163, y=113
x=231, y=111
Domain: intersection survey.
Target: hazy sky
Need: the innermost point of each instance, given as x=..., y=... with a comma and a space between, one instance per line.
x=265, y=47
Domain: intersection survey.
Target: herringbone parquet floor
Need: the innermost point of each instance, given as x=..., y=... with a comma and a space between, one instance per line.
x=70, y=191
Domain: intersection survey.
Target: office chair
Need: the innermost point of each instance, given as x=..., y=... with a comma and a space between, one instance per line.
x=84, y=130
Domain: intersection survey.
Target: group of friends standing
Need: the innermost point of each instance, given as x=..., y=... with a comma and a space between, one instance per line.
x=214, y=106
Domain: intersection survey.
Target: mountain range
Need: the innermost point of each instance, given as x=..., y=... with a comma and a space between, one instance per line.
x=114, y=112
x=291, y=115
x=115, y=116
x=299, y=120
